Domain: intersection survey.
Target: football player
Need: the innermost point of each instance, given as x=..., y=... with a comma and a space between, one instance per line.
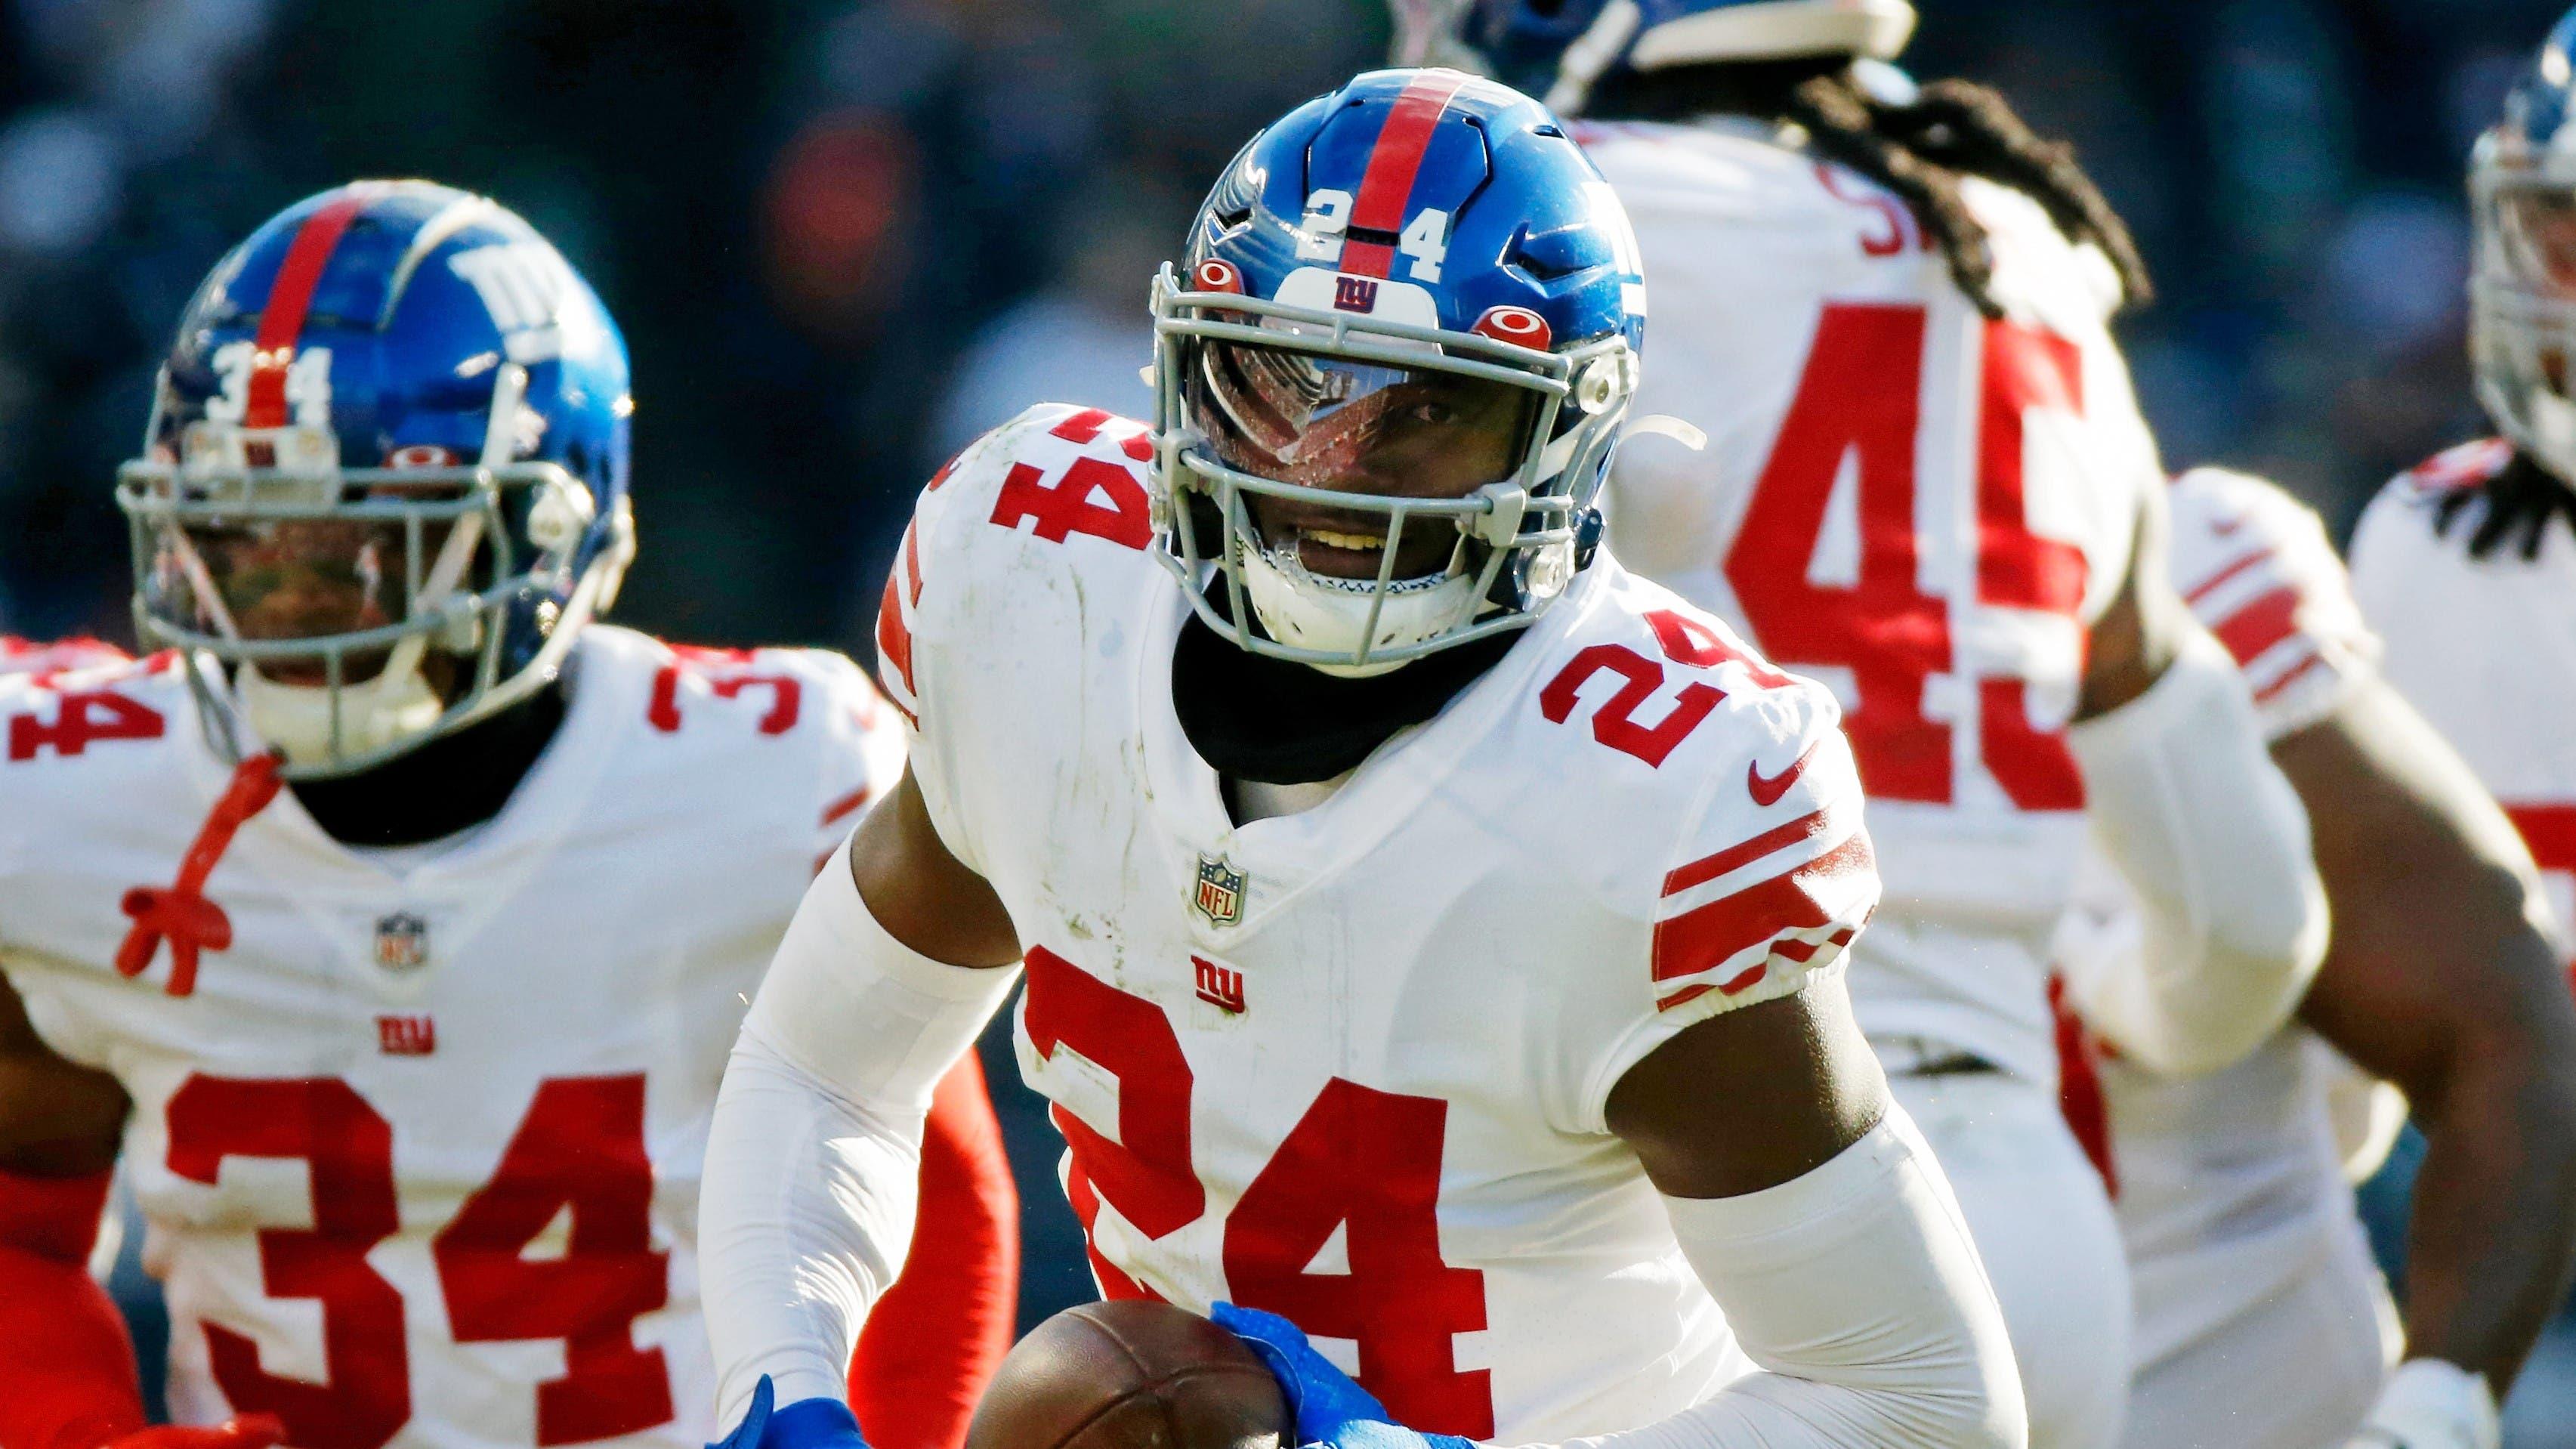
x=389, y=926
x=2461, y=563
x=2262, y=1322
x=1927, y=483
x=1431, y=931
x=2464, y=567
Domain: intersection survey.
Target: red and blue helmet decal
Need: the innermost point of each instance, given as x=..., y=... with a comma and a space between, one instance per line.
x=1429, y=198
x=416, y=292
x=383, y=312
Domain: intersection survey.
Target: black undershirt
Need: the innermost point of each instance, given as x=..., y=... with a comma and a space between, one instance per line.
x=453, y=783
x=1277, y=722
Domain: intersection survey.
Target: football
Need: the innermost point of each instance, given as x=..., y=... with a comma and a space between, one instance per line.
x=1131, y=1375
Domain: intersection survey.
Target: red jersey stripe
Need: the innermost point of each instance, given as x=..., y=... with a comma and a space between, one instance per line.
x=1804, y=951
x=2290, y=676
x=1744, y=853
x=2548, y=832
x=846, y=806
x=2251, y=631
x=894, y=641
x=2211, y=585
x=281, y=317
x=1705, y=938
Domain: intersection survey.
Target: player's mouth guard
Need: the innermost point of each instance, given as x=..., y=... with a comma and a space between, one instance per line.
x=347, y=725
x=1522, y=538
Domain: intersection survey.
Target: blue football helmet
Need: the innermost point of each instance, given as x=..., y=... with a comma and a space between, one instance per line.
x=384, y=483
x=1560, y=49
x=1390, y=372
x=2522, y=191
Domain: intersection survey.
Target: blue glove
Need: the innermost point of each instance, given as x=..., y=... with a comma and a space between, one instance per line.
x=806, y=1424
x=1329, y=1407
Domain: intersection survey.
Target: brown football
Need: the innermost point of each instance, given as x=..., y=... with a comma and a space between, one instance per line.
x=1131, y=1375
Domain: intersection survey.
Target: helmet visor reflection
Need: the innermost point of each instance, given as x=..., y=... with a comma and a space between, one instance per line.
x=284, y=579
x=1328, y=422
x=2536, y=227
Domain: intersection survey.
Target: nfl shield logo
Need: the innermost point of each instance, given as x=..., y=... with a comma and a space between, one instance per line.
x=402, y=942
x=1219, y=896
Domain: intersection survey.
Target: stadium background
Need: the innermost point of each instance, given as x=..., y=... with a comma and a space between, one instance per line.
x=844, y=235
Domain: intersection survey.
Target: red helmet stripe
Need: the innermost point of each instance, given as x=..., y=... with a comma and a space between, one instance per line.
x=1394, y=163
x=281, y=319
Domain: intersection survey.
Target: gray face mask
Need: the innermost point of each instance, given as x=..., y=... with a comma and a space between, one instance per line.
x=1377, y=490
x=2523, y=299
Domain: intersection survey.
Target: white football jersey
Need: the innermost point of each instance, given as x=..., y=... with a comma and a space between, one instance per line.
x=2232, y=1185
x=2483, y=648
x=416, y=1134
x=1922, y=507
x=1350, y=1064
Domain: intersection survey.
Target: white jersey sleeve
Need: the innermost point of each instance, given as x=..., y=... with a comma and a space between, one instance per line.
x=919, y=618
x=1773, y=876
x=2256, y=568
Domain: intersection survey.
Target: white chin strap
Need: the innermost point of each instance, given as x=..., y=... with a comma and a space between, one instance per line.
x=296, y=718
x=2553, y=430
x=1308, y=611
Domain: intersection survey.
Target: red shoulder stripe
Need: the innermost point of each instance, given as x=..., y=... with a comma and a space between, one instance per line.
x=1743, y=853
x=1700, y=939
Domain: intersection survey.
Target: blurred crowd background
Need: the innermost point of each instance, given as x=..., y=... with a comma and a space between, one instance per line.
x=843, y=236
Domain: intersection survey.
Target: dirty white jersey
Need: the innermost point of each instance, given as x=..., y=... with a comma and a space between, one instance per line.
x=1922, y=508
x=416, y=1134
x=2232, y=1185
x=2483, y=648
x=1350, y=1064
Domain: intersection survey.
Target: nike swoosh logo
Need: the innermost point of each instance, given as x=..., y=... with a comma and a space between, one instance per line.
x=1767, y=791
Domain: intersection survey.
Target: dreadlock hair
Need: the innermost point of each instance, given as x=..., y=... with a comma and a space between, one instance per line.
x=2522, y=500
x=1921, y=151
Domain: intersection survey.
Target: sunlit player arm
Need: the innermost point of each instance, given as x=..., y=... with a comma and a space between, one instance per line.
x=812, y=1162
x=2209, y=835
x=2440, y=982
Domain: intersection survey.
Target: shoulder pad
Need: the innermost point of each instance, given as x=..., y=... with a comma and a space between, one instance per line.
x=1056, y=477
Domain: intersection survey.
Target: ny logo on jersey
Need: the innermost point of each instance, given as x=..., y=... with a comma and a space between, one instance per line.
x=402, y=942
x=1219, y=895
x=1218, y=986
x=1354, y=294
x=407, y=1036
